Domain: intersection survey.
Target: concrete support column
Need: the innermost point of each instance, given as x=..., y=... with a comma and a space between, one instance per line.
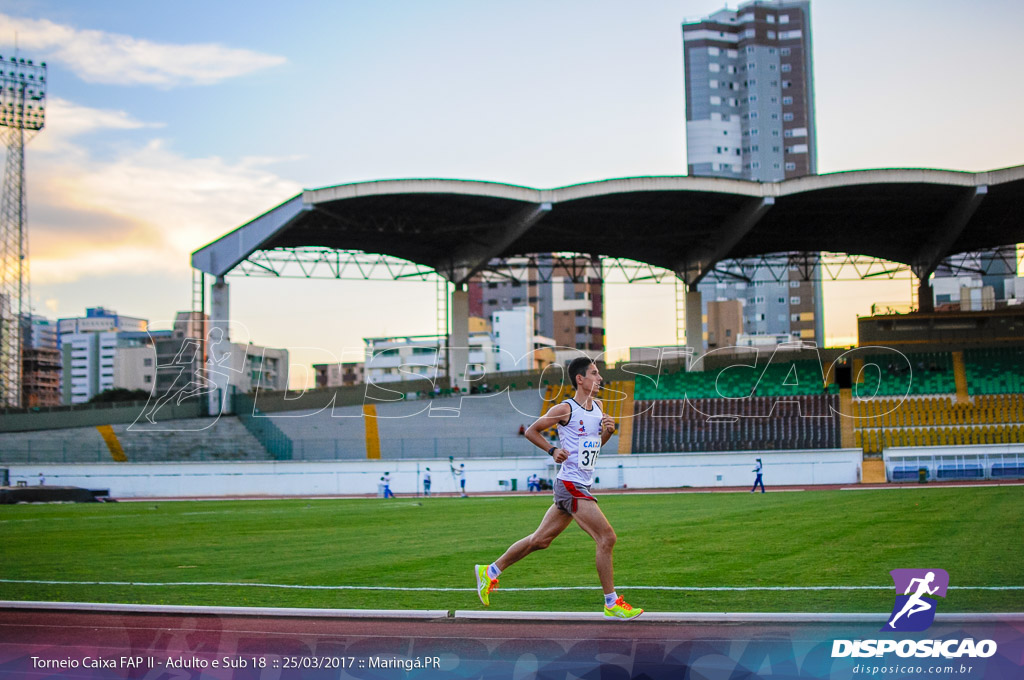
x=925, y=295
x=458, y=348
x=219, y=348
x=695, y=328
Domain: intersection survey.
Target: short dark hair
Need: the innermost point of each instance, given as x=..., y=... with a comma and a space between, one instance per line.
x=578, y=366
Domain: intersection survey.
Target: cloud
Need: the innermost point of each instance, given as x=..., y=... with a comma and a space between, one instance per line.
x=144, y=208
x=75, y=120
x=112, y=58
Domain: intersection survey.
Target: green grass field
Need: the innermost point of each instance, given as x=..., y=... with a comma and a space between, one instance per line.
x=813, y=538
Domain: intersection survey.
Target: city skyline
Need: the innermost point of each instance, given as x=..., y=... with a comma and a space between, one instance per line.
x=164, y=133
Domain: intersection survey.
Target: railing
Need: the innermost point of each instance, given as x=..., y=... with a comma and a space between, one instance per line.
x=354, y=448
x=208, y=449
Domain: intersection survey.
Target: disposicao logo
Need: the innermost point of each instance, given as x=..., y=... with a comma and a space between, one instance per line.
x=916, y=590
x=913, y=612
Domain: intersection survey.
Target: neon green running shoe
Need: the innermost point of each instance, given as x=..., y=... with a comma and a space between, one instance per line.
x=485, y=584
x=621, y=610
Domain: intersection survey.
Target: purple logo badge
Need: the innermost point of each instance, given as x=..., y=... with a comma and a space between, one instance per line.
x=916, y=589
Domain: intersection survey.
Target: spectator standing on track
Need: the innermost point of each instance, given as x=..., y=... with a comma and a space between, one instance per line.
x=758, y=479
x=426, y=483
x=387, y=485
x=533, y=482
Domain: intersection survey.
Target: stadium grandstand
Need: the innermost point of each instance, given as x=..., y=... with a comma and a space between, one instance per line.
x=915, y=401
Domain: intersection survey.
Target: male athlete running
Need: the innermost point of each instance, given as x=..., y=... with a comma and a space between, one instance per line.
x=582, y=429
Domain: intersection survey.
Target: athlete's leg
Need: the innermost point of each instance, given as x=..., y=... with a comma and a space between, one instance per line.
x=592, y=520
x=555, y=521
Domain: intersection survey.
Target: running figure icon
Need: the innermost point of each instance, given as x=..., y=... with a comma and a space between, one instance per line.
x=916, y=604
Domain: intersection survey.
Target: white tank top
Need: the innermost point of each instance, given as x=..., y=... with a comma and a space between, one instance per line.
x=581, y=439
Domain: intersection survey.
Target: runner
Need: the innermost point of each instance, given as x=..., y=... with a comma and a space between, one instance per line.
x=583, y=428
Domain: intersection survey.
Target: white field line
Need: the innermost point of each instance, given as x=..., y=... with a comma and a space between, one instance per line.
x=461, y=590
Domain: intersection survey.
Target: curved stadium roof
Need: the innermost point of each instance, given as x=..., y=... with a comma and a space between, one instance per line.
x=684, y=224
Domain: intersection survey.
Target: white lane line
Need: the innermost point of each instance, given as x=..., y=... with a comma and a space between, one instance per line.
x=661, y=617
x=292, y=586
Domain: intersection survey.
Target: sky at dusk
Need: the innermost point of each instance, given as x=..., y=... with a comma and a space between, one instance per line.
x=170, y=124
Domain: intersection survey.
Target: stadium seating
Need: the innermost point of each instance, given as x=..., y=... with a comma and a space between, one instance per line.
x=889, y=374
x=995, y=370
x=778, y=378
x=938, y=421
x=462, y=427
x=756, y=423
x=191, y=439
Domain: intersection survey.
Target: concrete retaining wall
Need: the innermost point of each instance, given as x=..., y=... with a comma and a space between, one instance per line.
x=295, y=478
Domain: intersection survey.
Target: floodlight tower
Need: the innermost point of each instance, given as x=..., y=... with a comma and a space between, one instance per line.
x=22, y=115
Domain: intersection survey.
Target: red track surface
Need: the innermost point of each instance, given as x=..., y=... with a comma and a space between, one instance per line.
x=606, y=492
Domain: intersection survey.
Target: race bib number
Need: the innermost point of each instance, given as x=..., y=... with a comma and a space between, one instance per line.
x=589, y=448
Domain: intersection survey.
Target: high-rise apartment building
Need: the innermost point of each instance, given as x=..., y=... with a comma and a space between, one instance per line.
x=750, y=115
x=750, y=92
x=571, y=313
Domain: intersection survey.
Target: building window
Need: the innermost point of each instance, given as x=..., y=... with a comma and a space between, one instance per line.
x=771, y=67
x=787, y=101
x=775, y=133
x=750, y=50
x=776, y=166
x=786, y=68
x=794, y=300
x=784, y=19
x=786, y=84
x=147, y=378
x=713, y=84
x=753, y=114
x=770, y=18
x=714, y=68
x=713, y=51
x=782, y=300
x=715, y=101
x=753, y=132
x=776, y=149
x=147, y=361
x=771, y=35
x=751, y=66
x=492, y=285
x=793, y=284
x=790, y=166
x=784, y=52
x=787, y=117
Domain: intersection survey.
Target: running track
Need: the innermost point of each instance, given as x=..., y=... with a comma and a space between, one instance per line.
x=360, y=645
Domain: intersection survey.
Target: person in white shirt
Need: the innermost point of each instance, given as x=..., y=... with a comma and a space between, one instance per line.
x=758, y=480
x=583, y=428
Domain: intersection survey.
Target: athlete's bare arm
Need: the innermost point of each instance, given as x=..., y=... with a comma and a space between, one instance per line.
x=607, y=424
x=555, y=416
